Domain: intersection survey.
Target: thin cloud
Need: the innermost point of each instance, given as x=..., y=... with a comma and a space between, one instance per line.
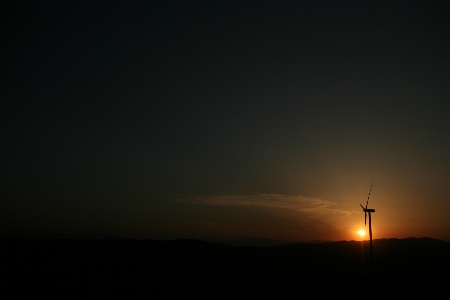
x=307, y=205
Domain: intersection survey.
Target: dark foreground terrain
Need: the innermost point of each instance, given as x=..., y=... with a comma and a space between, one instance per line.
x=192, y=268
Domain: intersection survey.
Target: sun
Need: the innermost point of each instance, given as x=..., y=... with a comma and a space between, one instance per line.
x=361, y=232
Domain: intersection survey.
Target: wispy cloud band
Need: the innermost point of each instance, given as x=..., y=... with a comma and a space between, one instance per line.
x=273, y=201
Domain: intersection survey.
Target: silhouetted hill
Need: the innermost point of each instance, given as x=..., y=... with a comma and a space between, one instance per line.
x=318, y=241
x=260, y=242
x=179, y=268
x=256, y=242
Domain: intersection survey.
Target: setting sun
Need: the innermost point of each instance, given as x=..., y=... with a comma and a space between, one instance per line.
x=361, y=232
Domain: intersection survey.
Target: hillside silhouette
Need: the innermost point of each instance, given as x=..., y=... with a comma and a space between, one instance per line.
x=180, y=268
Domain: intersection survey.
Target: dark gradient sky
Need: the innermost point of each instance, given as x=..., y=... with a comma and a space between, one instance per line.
x=225, y=119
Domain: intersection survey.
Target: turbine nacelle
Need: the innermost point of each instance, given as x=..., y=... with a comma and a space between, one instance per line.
x=367, y=210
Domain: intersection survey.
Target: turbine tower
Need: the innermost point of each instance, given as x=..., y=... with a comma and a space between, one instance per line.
x=368, y=211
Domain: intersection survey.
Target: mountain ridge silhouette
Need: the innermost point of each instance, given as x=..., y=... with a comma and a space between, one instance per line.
x=189, y=267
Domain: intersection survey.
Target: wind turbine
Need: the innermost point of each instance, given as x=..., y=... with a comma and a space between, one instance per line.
x=368, y=211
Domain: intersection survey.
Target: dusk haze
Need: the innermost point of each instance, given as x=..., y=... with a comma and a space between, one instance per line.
x=218, y=121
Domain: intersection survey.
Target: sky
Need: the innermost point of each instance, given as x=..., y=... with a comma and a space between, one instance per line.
x=224, y=120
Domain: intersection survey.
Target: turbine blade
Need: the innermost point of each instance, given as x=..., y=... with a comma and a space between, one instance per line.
x=361, y=206
x=365, y=218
